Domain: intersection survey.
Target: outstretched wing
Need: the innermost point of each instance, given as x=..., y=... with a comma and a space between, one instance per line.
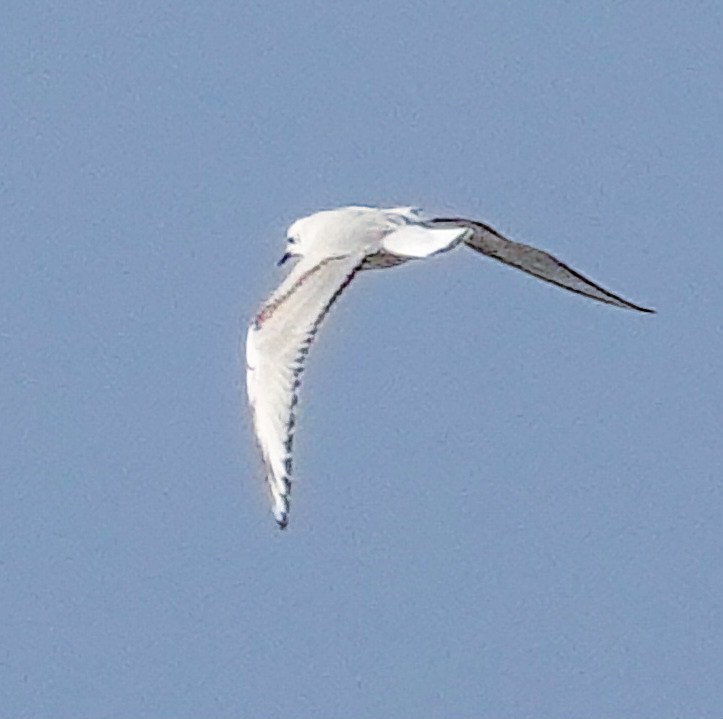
x=277, y=343
x=540, y=264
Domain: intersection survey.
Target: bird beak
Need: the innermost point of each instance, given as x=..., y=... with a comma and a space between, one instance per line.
x=287, y=255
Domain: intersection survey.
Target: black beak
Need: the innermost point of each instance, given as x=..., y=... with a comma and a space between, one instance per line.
x=287, y=255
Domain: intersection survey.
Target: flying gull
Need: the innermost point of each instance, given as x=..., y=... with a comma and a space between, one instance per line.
x=332, y=247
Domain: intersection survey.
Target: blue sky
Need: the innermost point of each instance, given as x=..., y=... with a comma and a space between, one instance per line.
x=509, y=498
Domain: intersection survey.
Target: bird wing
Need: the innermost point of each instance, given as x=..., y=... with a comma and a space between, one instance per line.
x=277, y=343
x=417, y=241
x=540, y=264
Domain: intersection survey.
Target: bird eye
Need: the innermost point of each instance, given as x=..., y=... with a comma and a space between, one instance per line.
x=291, y=240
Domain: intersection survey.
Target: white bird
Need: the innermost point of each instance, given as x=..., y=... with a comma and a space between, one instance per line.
x=332, y=246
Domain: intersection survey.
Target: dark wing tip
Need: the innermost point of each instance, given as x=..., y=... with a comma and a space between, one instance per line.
x=282, y=515
x=648, y=310
x=282, y=505
x=537, y=263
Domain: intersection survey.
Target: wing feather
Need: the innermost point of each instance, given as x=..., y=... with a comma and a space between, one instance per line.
x=535, y=262
x=277, y=343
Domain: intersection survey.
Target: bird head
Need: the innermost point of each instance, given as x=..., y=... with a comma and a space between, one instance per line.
x=297, y=239
x=332, y=231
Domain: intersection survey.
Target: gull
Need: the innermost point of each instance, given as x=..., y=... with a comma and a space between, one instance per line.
x=332, y=247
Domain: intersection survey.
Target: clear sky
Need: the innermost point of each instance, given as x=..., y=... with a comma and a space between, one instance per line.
x=509, y=498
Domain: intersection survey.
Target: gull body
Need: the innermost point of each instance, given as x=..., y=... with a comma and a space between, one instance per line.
x=331, y=247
